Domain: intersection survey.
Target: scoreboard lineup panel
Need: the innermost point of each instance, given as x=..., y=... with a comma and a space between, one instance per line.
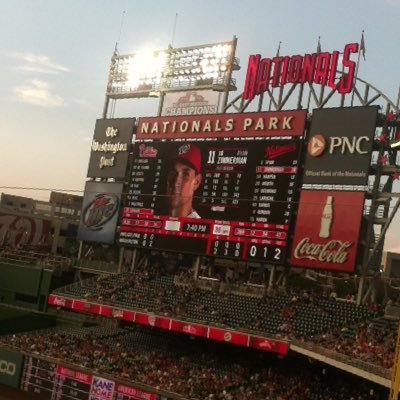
x=245, y=198
x=55, y=382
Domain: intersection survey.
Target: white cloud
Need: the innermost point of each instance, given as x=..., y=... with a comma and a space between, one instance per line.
x=38, y=63
x=395, y=3
x=38, y=93
x=81, y=102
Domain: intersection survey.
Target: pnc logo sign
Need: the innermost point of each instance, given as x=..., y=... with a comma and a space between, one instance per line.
x=318, y=145
x=7, y=367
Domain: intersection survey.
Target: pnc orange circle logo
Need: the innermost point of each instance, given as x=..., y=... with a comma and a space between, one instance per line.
x=316, y=145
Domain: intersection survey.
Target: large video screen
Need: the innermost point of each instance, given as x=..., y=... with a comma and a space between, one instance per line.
x=225, y=198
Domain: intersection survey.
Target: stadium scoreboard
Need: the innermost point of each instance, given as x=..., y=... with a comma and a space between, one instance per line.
x=56, y=382
x=246, y=190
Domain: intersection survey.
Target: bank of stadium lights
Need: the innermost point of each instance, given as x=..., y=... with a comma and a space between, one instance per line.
x=135, y=72
x=148, y=73
x=395, y=144
x=194, y=64
x=145, y=69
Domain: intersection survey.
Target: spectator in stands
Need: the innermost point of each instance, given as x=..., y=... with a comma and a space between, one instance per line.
x=183, y=179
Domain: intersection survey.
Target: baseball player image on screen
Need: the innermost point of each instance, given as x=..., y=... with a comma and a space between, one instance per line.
x=183, y=179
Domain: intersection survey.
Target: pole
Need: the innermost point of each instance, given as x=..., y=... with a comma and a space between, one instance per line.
x=394, y=387
x=356, y=74
x=133, y=260
x=196, y=267
x=121, y=258
x=229, y=75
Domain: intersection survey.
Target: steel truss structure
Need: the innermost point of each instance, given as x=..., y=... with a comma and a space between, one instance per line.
x=382, y=202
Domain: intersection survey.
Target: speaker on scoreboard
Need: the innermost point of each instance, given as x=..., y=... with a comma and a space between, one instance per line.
x=391, y=264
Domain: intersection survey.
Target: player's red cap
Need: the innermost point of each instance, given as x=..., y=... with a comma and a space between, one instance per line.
x=191, y=154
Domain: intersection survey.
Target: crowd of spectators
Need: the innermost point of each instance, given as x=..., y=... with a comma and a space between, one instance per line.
x=290, y=314
x=193, y=369
x=372, y=342
x=298, y=315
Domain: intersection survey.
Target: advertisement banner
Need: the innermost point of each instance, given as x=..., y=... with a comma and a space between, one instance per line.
x=223, y=335
x=10, y=367
x=339, y=146
x=18, y=230
x=101, y=389
x=101, y=204
x=130, y=393
x=190, y=329
x=269, y=345
x=327, y=230
x=190, y=103
x=110, y=148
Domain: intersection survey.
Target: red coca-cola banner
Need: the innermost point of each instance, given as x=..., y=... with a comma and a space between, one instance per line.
x=163, y=323
x=106, y=311
x=95, y=309
x=55, y=300
x=269, y=345
x=277, y=123
x=327, y=230
x=129, y=315
x=223, y=335
x=80, y=305
x=190, y=329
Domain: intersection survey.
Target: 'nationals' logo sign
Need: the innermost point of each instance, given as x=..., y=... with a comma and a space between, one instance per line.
x=327, y=230
x=265, y=73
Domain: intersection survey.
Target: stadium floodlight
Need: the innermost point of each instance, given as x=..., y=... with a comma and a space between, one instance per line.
x=153, y=72
x=136, y=72
x=395, y=144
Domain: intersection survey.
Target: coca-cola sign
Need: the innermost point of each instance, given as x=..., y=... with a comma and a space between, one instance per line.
x=327, y=230
x=99, y=212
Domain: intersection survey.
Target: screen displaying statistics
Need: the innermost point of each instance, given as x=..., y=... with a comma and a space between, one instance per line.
x=226, y=197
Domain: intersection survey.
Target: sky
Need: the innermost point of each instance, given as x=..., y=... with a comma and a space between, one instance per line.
x=55, y=56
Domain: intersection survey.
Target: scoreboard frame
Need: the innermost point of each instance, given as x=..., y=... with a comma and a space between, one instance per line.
x=260, y=152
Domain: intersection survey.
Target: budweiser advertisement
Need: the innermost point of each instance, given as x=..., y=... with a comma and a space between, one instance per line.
x=340, y=145
x=99, y=215
x=327, y=230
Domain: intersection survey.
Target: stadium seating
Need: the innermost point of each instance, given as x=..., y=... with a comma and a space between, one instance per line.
x=291, y=314
x=188, y=369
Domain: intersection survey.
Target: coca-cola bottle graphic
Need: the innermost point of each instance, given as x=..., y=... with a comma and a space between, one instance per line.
x=326, y=218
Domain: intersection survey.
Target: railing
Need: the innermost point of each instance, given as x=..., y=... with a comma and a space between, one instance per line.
x=97, y=265
x=359, y=364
